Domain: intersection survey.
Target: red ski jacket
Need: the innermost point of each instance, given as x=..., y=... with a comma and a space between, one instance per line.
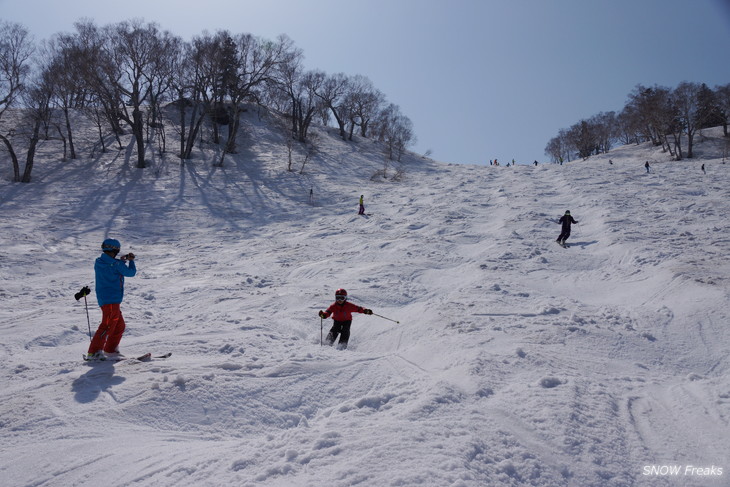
x=343, y=312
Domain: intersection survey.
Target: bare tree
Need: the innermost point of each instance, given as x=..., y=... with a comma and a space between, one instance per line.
x=333, y=92
x=184, y=88
x=35, y=112
x=101, y=102
x=120, y=65
x=196, y=91
x=709, y=110
x=628, y=130
x=364, y=103
x=121, y=74
x=16, y=48
x=605, y=130
x=658, y=114
x=306, y=103
x=63, y=56
x=395, y=130
x=686, y=97
x=583, y=139
x=723, y=100
x=654, y=112
x=160, y=86
x=558, y=147
x=299, y=90
x=255, y=63
x=136, y=59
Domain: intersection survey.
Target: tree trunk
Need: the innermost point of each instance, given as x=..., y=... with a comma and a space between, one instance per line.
x=678, y=147
x=101, y=138
x=690, y=143
x=181, y=106
x=138, y=131
x=31, y=153
x=340, y=123
x=70, y=136
x=63, y=139
x=13, y=157
x=294, y=116
x=193, y=133
x=161, y=139
x=233, y=127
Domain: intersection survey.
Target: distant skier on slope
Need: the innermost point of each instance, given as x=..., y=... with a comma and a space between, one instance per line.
x=110, y=273
x=647, y=166
x=341, y=311
x=362, y=205
x=565, y=221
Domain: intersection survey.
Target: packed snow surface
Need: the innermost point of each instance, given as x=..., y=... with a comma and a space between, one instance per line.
x=515, y=362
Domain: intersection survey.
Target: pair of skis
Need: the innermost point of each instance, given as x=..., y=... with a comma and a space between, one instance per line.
x=147, y=357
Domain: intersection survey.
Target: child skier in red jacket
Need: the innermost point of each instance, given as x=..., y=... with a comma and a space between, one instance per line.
x=341, y=311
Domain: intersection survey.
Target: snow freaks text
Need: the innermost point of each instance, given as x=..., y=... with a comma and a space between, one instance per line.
x=682, y=471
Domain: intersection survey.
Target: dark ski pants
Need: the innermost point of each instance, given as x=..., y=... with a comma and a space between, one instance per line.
x=563, y=235
x=341, y=328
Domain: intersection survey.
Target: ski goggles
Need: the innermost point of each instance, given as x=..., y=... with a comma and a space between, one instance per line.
x=340, y=298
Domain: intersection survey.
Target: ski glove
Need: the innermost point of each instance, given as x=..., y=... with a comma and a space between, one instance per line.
x=367, y=311
x=85, y=291
x=322, y=314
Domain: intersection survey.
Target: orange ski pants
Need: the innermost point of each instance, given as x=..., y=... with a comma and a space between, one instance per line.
x=110, y=331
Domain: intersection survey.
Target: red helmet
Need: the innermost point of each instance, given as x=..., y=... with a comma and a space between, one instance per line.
x=340, y=295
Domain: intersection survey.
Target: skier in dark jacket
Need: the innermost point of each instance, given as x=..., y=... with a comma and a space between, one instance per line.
x=341, y=312
x=565, y=220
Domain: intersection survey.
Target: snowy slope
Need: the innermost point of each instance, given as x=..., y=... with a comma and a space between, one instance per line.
x=516, y=362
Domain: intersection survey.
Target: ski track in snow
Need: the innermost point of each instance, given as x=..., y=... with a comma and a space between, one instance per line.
x=516, y=362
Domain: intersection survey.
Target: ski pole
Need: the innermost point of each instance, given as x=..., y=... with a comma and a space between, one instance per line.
x=85, y=291
x=88, y=320
x=386, y=318
x=321, y=330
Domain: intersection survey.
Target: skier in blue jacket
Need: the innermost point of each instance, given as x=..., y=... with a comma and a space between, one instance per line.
x=110, y=273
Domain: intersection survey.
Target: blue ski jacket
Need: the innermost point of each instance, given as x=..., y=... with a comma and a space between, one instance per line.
x=110, y=274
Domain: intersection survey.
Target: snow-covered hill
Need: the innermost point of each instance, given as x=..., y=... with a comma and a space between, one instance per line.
x=515, y=362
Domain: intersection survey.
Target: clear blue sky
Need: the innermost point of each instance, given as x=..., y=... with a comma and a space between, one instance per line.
x=480, y=79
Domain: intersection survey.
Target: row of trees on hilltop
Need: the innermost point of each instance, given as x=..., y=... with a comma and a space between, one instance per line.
x=121, y=75
x=657, y=114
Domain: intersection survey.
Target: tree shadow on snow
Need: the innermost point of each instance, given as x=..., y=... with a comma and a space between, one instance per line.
x=98, y=379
